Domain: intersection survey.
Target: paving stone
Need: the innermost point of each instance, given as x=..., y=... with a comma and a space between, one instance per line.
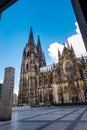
x=52, y=118
x=81, y=126
x=70, y=118
x=57, y=126
x=23, y=126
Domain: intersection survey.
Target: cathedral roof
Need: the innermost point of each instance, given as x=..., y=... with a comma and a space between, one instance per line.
x=46, y=68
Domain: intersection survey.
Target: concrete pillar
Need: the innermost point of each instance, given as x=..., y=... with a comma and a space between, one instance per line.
x=7, y=94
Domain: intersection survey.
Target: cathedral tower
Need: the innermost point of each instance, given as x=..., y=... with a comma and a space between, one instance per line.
x=32, y=59
x=42, y=61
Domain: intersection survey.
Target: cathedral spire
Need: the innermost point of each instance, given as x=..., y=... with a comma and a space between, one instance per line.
x=59, y=55
x=39, y=44
x=68, y=46
x=72, y=50
x=83, y=61
x=31, y=38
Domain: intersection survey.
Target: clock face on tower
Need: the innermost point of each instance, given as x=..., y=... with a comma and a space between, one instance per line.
x=68, y=68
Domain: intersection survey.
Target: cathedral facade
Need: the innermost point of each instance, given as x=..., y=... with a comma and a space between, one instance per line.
x=58, y=83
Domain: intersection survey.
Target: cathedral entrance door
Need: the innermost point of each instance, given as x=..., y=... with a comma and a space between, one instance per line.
x=51, y=96
x=60, y=96
x=73, y=94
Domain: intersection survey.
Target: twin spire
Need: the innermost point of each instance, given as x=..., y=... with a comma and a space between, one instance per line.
x=39, y=45
x=31, y=40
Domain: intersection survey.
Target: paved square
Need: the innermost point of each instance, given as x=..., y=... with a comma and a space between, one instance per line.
x=48, y=118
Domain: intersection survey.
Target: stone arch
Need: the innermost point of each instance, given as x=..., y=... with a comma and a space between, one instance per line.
x=26, y=66
x=40, y=96
x=28, y=53
x=73, y=95
x=60, y=97
x=51, y=96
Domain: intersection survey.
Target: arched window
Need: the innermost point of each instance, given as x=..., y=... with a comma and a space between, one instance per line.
x=32, y=62
x=40, y=96
x=32, y=51
x=69, y=68
x=27, y=66
x=28, y=53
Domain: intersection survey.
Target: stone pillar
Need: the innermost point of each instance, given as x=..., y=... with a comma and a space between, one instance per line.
x=7, y=94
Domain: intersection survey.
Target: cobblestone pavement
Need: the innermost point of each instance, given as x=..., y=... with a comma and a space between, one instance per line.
x=48, y=118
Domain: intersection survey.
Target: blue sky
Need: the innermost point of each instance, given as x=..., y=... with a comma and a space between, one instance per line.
x=53, y=20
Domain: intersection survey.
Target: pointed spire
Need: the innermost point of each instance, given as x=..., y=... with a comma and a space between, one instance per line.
x=82, y=57
x=68, y=46
x=39, y=44
x=41, y=54
x=59, y=54
x=38, y=40
x=72, y=48
x=31, y=38
x=44, y=60
x=83, y=61
x=64, y=45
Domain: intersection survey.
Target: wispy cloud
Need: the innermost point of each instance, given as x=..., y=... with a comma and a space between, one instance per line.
x=75, y=40
x=1, y=81
x=16, y=91
x=53, y=51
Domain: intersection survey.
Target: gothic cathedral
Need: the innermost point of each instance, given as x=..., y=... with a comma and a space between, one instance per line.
x=55, y=84
x=33, y=59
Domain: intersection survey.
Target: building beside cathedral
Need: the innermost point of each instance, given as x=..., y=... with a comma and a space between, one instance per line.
x=55, y=84
x=80, y=9
x=4, y=4
x=0, y=89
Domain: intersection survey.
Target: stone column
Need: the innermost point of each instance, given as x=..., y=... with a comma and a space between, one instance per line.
x=7, y=94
